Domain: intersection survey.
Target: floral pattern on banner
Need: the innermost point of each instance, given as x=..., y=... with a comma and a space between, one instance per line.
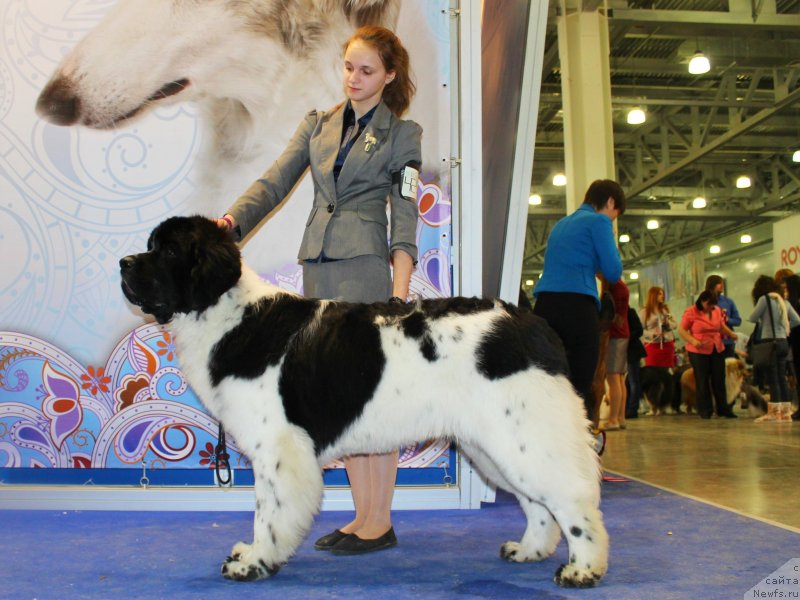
x=57, y=413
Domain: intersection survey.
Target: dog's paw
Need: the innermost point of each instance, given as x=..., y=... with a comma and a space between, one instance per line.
x=514, y=552
x=241, y=565
x=239, y=549
x=569, y=576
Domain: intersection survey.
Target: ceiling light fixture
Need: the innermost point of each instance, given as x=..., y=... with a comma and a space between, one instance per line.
x=535, y=200
x=636, y=116
x=699, y=64
x=634, y=275
x=699, y=202
x=559, y=180
x=529, y=282
x=715, y=249
x=796, y=156
x=746, y=238
x=743, y=182
x=624, y=238
x=652, y=224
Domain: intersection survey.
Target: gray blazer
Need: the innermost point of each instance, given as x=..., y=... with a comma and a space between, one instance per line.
x=348, y=218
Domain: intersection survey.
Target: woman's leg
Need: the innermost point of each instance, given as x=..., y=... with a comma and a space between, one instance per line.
x=372, y=479
x=771, y=373
x=623, y=400
x=717, y=360
x=575, y=319
x=614, y=398
x=634, y=390
x=781, y=358
x=702, y=373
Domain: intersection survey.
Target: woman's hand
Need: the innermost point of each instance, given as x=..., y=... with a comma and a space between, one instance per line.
x=227, y=222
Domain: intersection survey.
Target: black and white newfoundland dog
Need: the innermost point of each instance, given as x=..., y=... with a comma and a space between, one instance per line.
x=299, y=382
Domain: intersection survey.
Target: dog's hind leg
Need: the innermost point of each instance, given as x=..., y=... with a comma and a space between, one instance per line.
x=541, y=534
x=582, y=524
x=288, y=486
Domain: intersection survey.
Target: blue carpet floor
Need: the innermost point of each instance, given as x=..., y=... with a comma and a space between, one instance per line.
x=663, y=546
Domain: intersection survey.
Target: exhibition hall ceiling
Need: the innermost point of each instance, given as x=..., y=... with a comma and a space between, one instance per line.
x=702, y=131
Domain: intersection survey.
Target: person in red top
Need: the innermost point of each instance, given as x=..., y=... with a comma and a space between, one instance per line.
x=617, y=356
x=702, y=327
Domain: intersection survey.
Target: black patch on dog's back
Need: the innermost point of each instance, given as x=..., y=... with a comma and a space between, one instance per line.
x=443, y=307
x=327, y=378
x=518, y=341
x=261, y=338
x=415, y=326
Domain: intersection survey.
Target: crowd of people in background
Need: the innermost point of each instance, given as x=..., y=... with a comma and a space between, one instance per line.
x=707, y=328
x=621, y=356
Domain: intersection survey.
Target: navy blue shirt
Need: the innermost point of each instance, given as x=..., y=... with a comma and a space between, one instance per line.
x=349, y=121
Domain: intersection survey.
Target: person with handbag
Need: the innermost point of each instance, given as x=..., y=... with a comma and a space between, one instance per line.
x=702, y=327
x=775, y=318
x=659, y=344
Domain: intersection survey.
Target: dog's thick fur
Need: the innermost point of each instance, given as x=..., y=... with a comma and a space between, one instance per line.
x=299, y=382
x=254, y=68
x=657, y=388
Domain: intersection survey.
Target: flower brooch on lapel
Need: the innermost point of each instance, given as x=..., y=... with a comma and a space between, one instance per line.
x=369, y=141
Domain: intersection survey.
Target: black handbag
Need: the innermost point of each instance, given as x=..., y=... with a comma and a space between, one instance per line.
x=765, y=350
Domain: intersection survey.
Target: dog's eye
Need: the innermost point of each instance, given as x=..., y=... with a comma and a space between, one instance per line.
x=170, y=252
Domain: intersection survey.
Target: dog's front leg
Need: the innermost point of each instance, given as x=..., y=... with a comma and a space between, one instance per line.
x=288, y=486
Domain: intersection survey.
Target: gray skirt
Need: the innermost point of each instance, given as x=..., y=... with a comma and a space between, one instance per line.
x=617, y=356
x=361, y=279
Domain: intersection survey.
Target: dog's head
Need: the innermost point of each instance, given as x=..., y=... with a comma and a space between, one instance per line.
x=190, y=262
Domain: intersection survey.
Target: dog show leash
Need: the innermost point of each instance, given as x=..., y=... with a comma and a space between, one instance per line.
x=221, y=457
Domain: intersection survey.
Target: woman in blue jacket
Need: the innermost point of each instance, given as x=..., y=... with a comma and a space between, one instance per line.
x=580, y=246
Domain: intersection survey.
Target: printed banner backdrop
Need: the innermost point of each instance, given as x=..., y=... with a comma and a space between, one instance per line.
x=680, y=277
x=786, y=243
x=86, y=381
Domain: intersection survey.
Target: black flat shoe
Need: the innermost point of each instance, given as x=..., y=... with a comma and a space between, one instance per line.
x=326, y=542
x=352, y=544
x=730, y=415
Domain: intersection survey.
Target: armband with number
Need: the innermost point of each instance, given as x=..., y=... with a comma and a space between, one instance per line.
x=407, y=180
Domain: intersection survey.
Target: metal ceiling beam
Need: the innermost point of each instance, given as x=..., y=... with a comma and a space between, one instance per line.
x=703, y=19
x=703, y=215
x=721, y=140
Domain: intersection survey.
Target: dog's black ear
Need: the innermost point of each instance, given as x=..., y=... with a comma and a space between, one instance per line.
x=217, y=264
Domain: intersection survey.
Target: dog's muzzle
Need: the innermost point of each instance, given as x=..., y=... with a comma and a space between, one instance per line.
x=126, y=265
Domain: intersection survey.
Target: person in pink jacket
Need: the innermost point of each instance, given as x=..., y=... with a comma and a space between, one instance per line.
x=702, y=326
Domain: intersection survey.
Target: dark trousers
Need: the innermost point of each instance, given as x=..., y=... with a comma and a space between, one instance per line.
x=574, y=317
x=776, y=374
x=634, y=385
x=709, y=377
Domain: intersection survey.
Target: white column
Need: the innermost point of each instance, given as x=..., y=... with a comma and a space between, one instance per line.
x=586, y=87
